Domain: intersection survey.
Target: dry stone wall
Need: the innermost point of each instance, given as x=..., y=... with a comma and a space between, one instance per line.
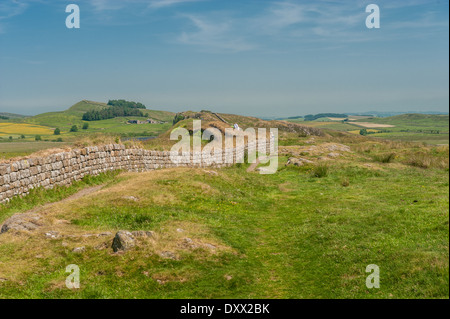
x=19, y=177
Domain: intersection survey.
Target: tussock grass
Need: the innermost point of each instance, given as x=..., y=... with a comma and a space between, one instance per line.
x=320, y=170
x=384, y=158
x=96, y=139
x=424, y=160
x=345, y=182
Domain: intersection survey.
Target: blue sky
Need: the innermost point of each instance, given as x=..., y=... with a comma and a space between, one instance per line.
x=251, y=57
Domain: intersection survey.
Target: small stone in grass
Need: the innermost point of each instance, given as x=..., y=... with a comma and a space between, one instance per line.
x=79, y=250
x=168, y=255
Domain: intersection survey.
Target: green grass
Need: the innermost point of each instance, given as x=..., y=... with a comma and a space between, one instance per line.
x=415, y=121
x=42, y=196
x=384, y=158
x=320, y=171
x=73, y=116
x=408, y=127
x=311, y=238
x=119, y=126
x=15, y=149
x=415, y=127
x=24, y=145
x=433, y=139
x=305, y=232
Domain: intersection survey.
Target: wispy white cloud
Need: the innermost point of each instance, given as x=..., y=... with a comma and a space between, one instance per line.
x=310, y=21
x=156, y=4
x=214, y=35
x=341, y=21
x=397, y=4
x=333, y=21
x=112, y=5
x=280, y=21
x=425, y=20
x=128, y=12
x=10, y=9
x=281, y=15
x=108, y=5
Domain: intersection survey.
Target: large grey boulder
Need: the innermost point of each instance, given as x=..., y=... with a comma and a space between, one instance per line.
x=124, y=240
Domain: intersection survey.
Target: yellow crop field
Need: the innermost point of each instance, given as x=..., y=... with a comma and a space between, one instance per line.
x=7, y=129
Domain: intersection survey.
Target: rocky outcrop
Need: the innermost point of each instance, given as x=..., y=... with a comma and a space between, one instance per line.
x=22, y=222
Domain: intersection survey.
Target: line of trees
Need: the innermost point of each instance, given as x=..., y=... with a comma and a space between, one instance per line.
x=117, y=108
x=123, y=103
x=112, y=112
x=295, y=117
x=312, y=117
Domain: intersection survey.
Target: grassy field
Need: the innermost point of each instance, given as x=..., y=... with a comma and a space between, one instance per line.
x=17, y=129
x=73, y=116
x=15, y=149
x=305, y=232
x=120, y=126
x=431, y=129
x=17, y=135
x=423, y=128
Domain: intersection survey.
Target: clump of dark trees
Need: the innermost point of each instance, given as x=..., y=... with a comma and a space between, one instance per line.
x=117, y=108
x=123, y=103
x=311, y=117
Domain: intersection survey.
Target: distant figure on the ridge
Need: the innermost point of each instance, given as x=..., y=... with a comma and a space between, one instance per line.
x=236, y=127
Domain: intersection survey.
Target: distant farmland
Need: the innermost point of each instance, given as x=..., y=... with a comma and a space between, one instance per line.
x=424, y=128
x=14, y=129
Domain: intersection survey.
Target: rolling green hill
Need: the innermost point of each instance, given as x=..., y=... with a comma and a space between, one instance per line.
x=426, y=128
x=20, y=133
x=12, y=115
x=65, y=119
x=415, y=121
x=73, y=116
x=84, y=106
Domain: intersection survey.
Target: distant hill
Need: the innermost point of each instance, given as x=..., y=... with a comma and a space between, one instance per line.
x=365, y=114
x=12, y=115
x=312, y=117
x=222, y=121
x=391, y=114
x=73, y=116
x=424, y=120
x=84, y=106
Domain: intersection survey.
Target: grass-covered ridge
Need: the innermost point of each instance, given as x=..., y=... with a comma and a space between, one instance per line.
x=73, y=116
x=305, y=232
x=25, y=135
